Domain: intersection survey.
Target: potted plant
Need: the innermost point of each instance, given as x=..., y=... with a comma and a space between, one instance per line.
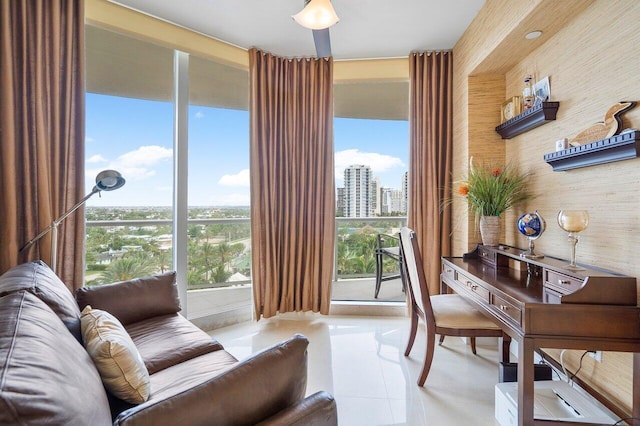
x=490, y=190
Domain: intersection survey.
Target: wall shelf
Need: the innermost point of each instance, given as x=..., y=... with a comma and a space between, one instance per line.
x=616, y=148
x=530, y=119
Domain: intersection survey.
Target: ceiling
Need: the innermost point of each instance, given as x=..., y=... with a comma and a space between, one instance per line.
x=367, y=29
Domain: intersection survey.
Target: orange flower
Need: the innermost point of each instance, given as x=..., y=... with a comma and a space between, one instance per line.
x=463, y=190
x=496, y=172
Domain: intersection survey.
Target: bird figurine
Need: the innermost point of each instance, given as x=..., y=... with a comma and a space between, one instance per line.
x=604, y=129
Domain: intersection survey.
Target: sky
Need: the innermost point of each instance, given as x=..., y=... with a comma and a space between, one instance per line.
x=135, y=137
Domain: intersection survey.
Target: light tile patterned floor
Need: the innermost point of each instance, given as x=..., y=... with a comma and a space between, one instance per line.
x=360, y=361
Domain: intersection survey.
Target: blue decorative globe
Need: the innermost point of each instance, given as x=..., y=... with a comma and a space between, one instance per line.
x=531, y=225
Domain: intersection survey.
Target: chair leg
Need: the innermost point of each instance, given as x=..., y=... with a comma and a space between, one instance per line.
x=473, y=345
x=428, y=358
x=412, y=332
x=378, y=273
x=441, y=339
x=504, y=341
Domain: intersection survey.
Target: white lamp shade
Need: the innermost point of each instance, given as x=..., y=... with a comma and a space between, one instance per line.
x=317, y=15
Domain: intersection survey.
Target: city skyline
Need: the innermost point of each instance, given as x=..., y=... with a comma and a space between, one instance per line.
x=363, y=196
x=135, y=137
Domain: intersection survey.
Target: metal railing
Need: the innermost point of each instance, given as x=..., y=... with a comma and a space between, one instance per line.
x=355, y=237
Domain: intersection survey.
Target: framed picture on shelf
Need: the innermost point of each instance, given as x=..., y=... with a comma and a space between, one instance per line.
x=510, y=108
x=542, y=91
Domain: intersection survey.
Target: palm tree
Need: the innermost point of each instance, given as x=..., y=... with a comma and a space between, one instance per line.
x=207, y=252
x=127, y=268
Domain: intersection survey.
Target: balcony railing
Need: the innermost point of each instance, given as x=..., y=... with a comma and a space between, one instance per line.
x=219, y=253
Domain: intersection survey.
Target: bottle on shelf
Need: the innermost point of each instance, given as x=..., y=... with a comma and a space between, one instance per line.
x=528, y=95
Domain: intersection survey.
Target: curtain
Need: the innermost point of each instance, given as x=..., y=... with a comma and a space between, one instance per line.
x=292, y=183
x=42, y=131
x=430, y=152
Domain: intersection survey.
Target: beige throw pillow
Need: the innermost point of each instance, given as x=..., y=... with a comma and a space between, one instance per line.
x=120, y=365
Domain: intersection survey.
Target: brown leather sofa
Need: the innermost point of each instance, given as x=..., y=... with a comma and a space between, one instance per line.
x=46, y=376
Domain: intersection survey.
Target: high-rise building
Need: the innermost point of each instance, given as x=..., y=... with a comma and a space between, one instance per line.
x=391, y=201
x=376, y=199
x=405, y=193
x=357, y=191
x=340, y=200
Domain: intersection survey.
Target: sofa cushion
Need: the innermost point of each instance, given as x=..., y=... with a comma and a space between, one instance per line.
x=168, y=340
x=120, y=365
x=134, y=300
x=215, y=389
x=46, y=377
x=40, y=280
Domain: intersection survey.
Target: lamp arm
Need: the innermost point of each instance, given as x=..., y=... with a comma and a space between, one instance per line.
x=59, y=220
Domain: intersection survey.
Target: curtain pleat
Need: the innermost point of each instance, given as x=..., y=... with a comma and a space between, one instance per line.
x=42, y=131
x=430, y=154
x=292, y=183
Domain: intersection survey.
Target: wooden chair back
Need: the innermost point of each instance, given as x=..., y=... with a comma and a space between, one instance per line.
x=414, y=268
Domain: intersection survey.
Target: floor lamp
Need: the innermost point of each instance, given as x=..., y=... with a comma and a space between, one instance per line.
x=107, y=180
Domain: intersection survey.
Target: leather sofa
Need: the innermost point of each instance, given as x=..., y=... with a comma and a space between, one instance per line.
x=47, y=376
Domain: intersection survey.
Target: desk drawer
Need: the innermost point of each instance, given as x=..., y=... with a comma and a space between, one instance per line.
x=486, y=255
x=561, y=283
x=507, y=308
x=473, y=287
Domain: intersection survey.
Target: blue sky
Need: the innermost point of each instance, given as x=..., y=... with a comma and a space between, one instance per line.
x=135, y=137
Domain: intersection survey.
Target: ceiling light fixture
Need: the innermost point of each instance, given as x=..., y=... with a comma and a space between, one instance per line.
x=317, y=15
x=533, y=34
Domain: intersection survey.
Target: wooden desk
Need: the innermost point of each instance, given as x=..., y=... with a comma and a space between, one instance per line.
x=542, y=304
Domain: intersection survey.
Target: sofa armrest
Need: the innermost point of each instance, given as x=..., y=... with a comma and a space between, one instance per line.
x=249, y=392
x=318, y=409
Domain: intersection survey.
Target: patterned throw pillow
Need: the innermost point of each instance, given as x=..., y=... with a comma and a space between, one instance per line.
x=120, y=365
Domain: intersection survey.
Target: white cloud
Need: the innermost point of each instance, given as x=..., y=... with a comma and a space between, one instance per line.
x=145, y=155
x=134, y=165
x=379, y=163
x=239, y=179
x=138, y=164
x=199, y=114
x=96, y=159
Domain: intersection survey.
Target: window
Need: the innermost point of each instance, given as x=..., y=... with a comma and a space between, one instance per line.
x=219, y=251
x=371, y=156
x=129, y=128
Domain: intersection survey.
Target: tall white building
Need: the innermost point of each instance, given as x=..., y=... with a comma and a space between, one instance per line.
x=357, y=191
x=404, y=208
x=391, y=200
x=376, y=200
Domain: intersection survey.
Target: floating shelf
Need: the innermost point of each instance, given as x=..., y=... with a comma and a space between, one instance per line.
x=531, y=118
x=616, y=148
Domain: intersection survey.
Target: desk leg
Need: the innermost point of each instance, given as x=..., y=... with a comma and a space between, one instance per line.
x=504, y=345
x=635, y=409
x=526, y=348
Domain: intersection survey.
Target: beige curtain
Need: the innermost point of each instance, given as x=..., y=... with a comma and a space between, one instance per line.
x=430, y=152
x=42, y=130
x=292, y=183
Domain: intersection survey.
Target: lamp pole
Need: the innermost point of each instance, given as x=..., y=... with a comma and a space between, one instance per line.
x=107, y=180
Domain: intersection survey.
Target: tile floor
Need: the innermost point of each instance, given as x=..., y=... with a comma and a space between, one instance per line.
x=360, y=361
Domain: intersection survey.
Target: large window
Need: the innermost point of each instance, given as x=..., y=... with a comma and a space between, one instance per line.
x=371, y=159
x=129, y=128
x=219, y=249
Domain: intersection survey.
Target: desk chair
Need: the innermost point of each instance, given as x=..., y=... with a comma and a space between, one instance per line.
x=443, y=314
x=388, y=246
